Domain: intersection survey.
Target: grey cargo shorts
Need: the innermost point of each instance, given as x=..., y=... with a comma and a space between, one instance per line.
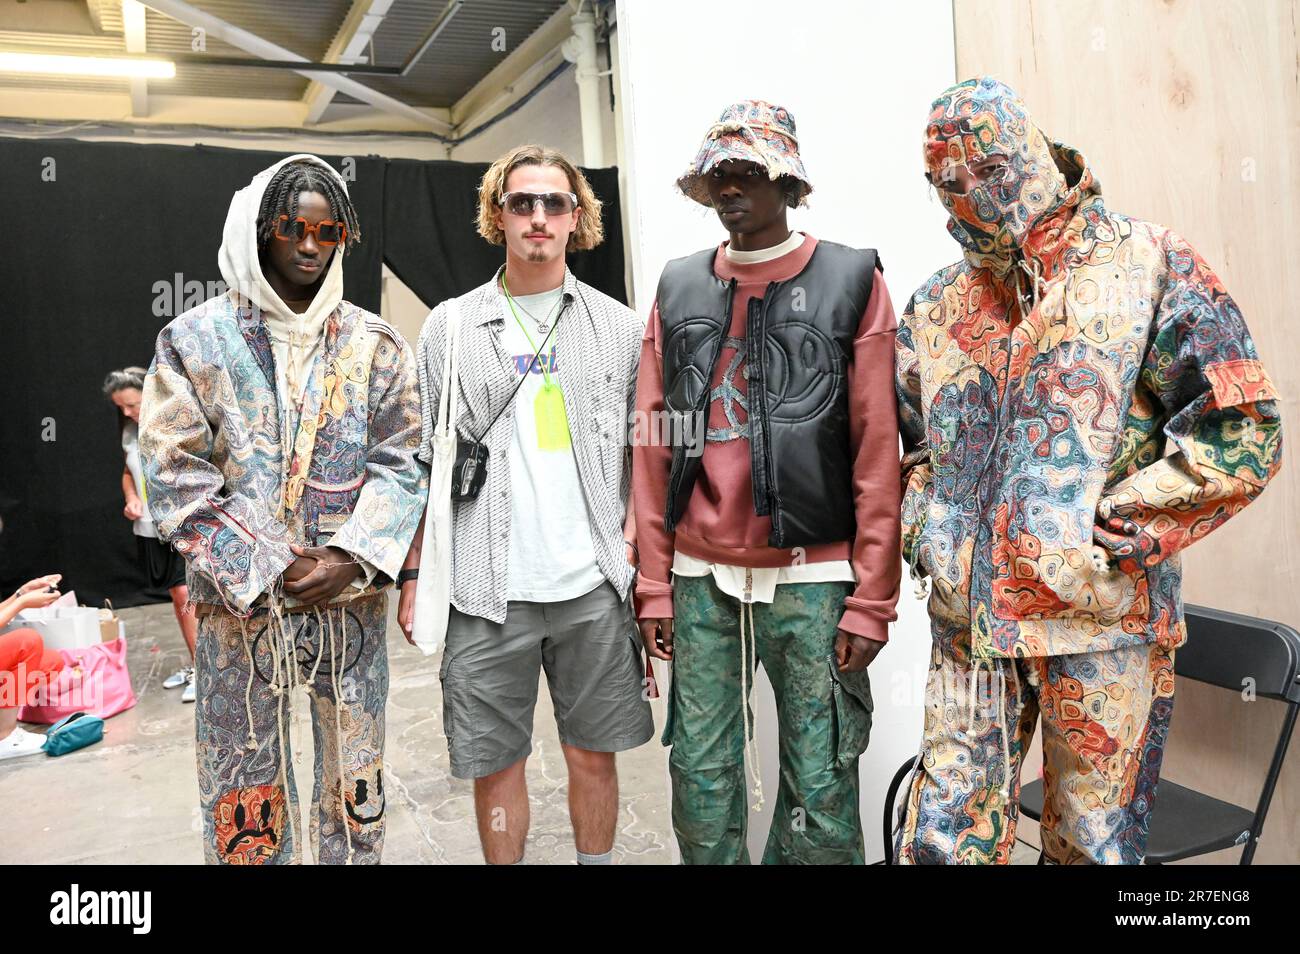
x=591, y=650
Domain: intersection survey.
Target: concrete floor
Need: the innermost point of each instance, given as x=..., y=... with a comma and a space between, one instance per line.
x=133, y=798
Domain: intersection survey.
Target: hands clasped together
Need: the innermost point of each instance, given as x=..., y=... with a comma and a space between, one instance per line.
x=318, y=574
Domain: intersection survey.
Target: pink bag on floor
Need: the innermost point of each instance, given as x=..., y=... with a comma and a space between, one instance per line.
x=94, y=679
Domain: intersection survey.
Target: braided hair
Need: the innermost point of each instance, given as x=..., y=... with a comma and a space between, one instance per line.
x=281, y=198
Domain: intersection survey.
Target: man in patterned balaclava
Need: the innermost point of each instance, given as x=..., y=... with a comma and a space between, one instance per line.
x=1040, y=381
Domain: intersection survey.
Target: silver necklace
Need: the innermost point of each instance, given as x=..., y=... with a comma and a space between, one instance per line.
x=543, y=324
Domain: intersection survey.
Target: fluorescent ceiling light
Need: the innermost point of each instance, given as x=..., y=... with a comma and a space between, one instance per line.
x=86, y=65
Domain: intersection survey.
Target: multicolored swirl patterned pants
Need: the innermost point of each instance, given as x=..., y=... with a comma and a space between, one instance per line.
x=245, y=672
x=1105, y=716
x=824, y=722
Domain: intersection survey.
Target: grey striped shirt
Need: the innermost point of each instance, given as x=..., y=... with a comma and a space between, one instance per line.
x=601, y=344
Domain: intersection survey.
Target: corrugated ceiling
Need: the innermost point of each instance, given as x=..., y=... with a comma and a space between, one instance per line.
x=461, y=56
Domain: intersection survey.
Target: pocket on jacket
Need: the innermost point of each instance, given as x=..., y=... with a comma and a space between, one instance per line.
x=850, y=716
x=1036, y=577
x=327, y=506
x=944, y=551
x=960, y=432
x=1068, y=423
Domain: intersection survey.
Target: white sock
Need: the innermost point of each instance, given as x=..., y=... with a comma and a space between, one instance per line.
x=605, y=858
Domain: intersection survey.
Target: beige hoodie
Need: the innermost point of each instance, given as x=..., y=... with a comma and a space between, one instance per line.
x=295, y=339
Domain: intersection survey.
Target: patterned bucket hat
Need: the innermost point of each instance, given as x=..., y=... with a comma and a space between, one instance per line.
x=755, y=131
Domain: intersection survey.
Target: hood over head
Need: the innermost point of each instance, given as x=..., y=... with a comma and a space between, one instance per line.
x=238, y=259
x=982, y=118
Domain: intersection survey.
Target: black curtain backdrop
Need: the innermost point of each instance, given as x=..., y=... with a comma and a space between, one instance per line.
x=432, y=242
x=95, y=237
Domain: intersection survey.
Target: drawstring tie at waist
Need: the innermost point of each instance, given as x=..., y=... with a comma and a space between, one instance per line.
x=969, y=734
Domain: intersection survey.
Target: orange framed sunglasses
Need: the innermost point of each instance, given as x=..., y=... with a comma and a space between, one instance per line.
x=327, y=232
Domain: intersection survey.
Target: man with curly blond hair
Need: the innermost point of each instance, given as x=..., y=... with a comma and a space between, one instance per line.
x=540, y=578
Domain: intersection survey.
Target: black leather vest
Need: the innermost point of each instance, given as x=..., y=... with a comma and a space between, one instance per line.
x=798, y=343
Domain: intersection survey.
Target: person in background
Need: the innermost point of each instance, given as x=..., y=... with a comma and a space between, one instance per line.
x=24, y=661
x=163, y=566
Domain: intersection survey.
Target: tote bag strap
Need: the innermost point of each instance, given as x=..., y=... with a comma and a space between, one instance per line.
x=449, y=399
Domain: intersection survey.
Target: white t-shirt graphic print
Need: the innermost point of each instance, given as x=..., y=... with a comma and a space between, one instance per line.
x=552, y=557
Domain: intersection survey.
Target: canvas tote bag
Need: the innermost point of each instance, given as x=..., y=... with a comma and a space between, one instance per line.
x=433, y=586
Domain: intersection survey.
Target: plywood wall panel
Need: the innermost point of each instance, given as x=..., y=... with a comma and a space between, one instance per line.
x=1189, y=111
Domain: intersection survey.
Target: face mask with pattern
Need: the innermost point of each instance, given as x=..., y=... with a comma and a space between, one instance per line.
x=973, y=122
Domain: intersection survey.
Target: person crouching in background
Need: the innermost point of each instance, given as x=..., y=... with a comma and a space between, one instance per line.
x=163, y=566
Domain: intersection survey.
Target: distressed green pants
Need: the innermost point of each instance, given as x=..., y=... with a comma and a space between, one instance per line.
x=824, y=719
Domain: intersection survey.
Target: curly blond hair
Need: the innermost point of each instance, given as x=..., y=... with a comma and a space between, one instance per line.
x=589, y=232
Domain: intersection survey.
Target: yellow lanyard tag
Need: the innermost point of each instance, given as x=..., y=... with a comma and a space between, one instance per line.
x=552, y=423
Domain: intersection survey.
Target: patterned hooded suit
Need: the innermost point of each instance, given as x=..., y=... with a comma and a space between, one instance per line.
x=1080, y=399
x=234, y=477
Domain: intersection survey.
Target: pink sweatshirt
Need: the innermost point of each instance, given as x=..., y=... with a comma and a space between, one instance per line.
x=720, y=525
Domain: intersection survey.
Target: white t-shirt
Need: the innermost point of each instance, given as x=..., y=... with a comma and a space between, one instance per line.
x=143, y=527
x=552, y=557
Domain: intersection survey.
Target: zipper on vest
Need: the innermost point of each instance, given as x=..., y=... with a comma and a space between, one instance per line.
x=762, y=473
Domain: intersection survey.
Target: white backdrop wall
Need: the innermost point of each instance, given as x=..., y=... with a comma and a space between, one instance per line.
x=858, y=79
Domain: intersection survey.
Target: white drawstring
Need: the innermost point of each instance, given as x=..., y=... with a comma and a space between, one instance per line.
x=1006, y=732
x=920, y=584
x=336, y=684
x=751, y=745
x=968, y=734
x=1036, y=281
x=1015, y=675
x=280, y=695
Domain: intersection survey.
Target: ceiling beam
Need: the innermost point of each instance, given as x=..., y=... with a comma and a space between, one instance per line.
x=249, y=42
x=133, y=26
x=524, y=59
x=221, y=116
x=349, y=43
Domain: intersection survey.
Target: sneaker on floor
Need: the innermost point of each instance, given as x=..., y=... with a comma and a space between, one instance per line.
x=178, y=678
x=188, y=694
x=21, y=742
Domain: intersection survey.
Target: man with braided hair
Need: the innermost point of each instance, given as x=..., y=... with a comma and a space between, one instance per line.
x=279, y=431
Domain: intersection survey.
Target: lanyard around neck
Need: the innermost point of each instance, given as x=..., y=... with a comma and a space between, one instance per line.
x=537, y=349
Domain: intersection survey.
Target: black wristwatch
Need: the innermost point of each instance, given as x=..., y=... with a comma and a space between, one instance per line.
x=404, y=575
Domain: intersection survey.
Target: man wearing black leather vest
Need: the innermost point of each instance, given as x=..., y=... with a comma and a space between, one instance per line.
x=766, y=494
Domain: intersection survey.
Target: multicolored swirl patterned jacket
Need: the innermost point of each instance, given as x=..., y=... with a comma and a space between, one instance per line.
x=1122, y=405
x=215, y=462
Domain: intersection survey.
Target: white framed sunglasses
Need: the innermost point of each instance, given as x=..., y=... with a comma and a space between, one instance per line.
x=553, y=203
